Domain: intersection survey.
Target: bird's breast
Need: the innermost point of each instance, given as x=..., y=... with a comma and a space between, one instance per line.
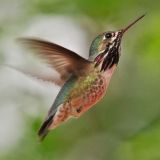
x=83, y=97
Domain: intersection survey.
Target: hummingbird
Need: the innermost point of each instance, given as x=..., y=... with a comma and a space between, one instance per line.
x=83, y=82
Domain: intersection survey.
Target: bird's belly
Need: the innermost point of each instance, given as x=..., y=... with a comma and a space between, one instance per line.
x=88, y=98
x=92, y=95
x=77, y=105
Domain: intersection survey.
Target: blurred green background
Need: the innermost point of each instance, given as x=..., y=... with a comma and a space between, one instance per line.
x=125, y=125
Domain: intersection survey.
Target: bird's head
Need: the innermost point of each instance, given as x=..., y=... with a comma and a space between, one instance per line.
x=105, y=48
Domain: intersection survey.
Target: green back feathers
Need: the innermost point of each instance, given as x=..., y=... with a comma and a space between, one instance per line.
x=64, y=92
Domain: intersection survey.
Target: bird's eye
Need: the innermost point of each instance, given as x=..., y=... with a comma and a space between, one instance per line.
x=108, y=35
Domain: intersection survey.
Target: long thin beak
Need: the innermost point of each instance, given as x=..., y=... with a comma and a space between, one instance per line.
x=130, y=25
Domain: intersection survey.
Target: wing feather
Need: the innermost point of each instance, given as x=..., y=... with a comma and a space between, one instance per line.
x=64, y=61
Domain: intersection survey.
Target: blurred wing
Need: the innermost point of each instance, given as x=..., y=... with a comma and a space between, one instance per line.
x=64, y=61
x=39, y=76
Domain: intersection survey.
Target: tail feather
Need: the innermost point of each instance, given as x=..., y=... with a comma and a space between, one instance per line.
x=43, y=131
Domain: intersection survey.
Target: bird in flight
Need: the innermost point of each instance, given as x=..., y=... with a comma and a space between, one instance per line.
x=83, y=82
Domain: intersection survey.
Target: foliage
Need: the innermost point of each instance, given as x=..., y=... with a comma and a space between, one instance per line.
x=126, y=124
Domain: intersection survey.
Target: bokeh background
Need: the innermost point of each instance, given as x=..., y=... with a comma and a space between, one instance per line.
x=125, y=125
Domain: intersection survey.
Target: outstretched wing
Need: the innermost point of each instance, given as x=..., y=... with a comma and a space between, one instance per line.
x=64, y=61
